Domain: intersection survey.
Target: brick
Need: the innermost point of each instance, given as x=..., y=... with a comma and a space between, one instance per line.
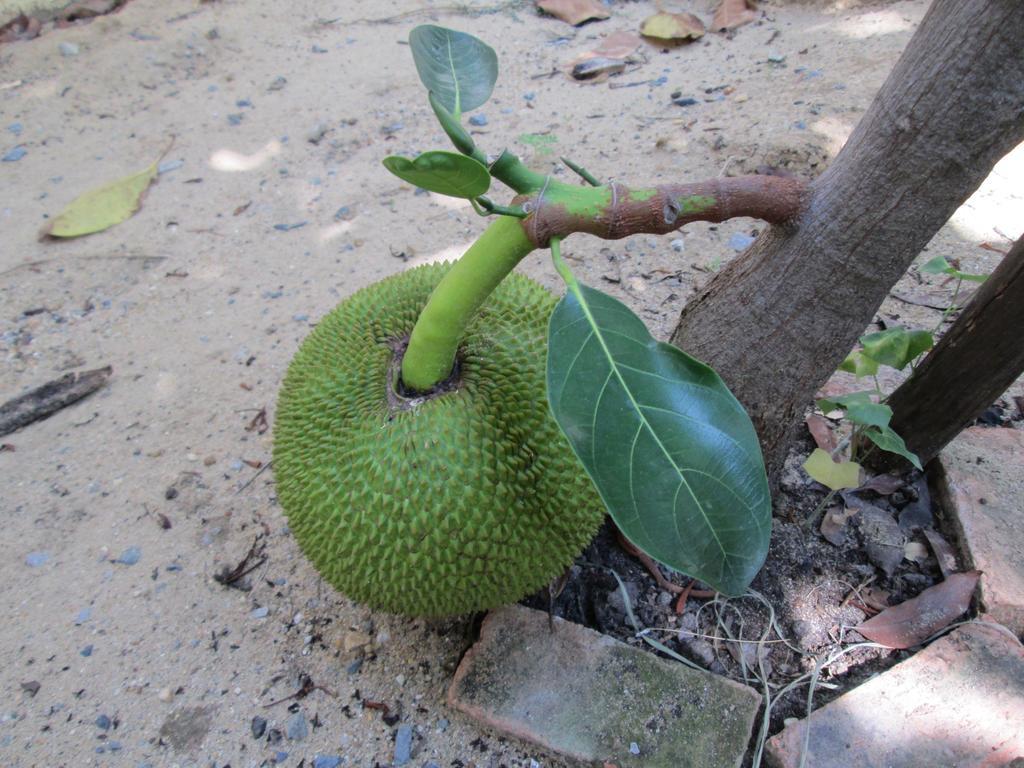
x=983, y=491
x=959, y=703
x=588, y=697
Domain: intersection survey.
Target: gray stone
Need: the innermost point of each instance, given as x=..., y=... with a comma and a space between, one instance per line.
x=959, y=702
x=297, y=727
x=403, y=745
x=589, y=697
x=982, y=488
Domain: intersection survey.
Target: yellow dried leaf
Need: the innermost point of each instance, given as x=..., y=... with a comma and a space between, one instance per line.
x=672, y=26
x=831, y=474
x=574, y=12
x=732, y=14
x=102, y=208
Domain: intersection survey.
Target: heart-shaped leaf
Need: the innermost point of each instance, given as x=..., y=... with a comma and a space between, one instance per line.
x=671, y=451
x=859, y=408
x=940, y=266
x=456, y=67
x=896, y=347
x=835, y=475
x=447, y=173
x=885, y=438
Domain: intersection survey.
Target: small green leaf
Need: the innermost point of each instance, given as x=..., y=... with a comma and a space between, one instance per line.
x=833, y=475
x=102, y=208
x=886, y=439
x=827, y=404
x=460, y=138
x=859, y=364
x=896, y=347
x=457, y=68
x=936, y=266
x=939, y=266
x=671, y=451
x=447, y=173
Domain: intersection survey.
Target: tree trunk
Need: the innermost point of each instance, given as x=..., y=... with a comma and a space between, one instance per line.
x=980, y=356
x=778, y=320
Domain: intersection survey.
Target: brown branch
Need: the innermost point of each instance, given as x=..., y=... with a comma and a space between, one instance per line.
x=615, y=211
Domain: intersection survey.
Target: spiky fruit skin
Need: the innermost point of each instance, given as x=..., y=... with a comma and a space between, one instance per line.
x=466, y=501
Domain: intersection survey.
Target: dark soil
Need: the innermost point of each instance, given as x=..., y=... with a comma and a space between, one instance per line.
x=820, y=591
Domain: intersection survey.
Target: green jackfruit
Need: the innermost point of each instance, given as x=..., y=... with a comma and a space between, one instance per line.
x=459, y=502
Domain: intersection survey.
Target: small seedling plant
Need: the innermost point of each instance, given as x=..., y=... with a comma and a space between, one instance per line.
x=866, y=412
x=672, y=453
x=414, y=490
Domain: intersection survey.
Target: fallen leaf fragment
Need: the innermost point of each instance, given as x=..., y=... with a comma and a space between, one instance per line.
x=102, y=208
x=833, y=525
x=914, y=621
x=672, y=27
x=574, y=12
x=821, y=430
x=831, y=474
x=943, y=552
x=733, y=13
x=618, y=45
x=883, y=485
x=609, y=58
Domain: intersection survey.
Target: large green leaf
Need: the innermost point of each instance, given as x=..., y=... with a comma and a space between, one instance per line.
x=457, y=68
x=671, y=451
x=447, y=173
x=859, y=364
x=896, y=347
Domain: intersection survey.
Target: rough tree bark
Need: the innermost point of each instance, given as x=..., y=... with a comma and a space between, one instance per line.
x=777, y=321
x=975, y=362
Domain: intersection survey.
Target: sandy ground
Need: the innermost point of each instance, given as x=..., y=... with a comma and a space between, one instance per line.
x=198, y=303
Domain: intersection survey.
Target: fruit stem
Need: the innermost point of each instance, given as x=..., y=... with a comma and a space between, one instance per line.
x=435, y=338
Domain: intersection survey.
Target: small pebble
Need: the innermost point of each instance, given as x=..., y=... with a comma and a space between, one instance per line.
x=259, y=613
x=529, y=95
x=83, y=616
x=776, y=58
x=740, y=241
x=36, y=559
x=103, y=723
x=130, y=556
x=169, y=165
x=280, y=757
x=478, y=120
x=277, y=83
x=68, y=49
x=355, y=666
x=165, y=695
x=634, y=748
x=289, y=227
x=86, y=651
x=114, y=746
x=258, y=726
x=300, y=318
x=678, y=245
x=243, y=103
x=15, y=128
x=685, y=101
x=15, y=155
x=326, y=761
x=318, y=49
x=403, y=745
x=442, y=724
x=235, y=119
x=297, y=727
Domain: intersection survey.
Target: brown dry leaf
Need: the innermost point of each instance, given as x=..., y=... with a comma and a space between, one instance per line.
x=574, y=12
x=821, y=430
x=732, y=14
x=833, y=525
x=943, y=552
x=672, y=27
x=914, y=621
x=883, y=485
x=618, y=45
